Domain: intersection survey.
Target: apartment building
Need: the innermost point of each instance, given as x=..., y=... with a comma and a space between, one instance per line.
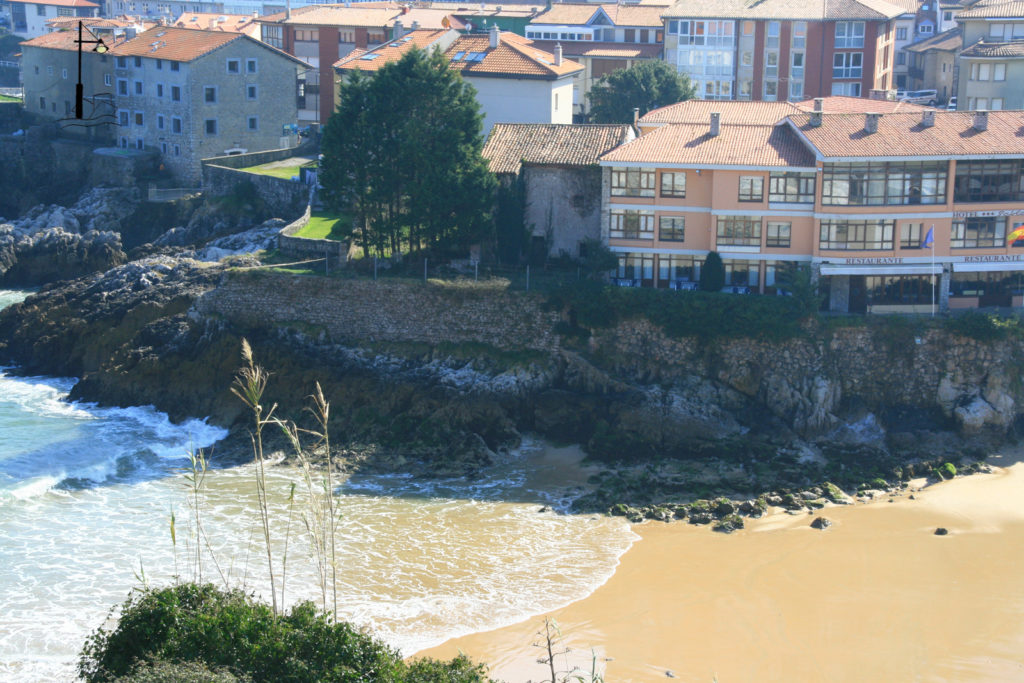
x=600, y=37
x=932, y=64
x=194, y=94
x=322, y=34
x=889, y=209
x=776, y=50
x=29, y=17
x=991, y=64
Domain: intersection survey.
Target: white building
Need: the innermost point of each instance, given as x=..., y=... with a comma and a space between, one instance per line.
x=29, y=17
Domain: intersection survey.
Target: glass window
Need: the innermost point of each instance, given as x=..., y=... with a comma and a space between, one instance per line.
x=751, y=188
x=673, y=184
x=880, y=183
x=273, y=35
x=632, y=182
x=251, y=92
x=911, y=235
x=671, y=228
x=742, y=231
x=176, y=93
x=899, y=289
x=250, y=66
x=777, y=234
x=989, y=181
x=849, y=34
x=632, y=225
x=139, y=118
x=211, y=126
x=847, y=65
x=253, y=123
x=679, y=268
x=863, y=235
x=210, y=93
x=234, y=66
x=175, y=66
x=175, y=125
x=634, y=266
x=741, y=273
x=978, y=233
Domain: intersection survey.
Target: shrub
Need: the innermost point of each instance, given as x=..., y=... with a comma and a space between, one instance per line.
x=945, y=471
x=230, y=631
x=712, y=275
x=983, y=326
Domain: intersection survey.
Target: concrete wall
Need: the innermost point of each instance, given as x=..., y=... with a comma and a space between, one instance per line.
x=563, y=205
x=351, y=311
x=513, y=100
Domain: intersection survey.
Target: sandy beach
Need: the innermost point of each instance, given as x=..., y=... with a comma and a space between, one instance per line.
x=876, y=597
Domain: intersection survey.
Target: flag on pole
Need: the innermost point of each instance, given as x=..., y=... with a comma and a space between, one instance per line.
x=1016, y=234
x=929, y=239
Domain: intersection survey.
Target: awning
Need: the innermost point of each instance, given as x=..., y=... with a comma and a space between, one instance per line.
x=894, y=269
x=988, y=267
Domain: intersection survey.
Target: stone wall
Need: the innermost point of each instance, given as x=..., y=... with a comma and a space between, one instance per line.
x=563, y=206
x=336, y=251
x=258, y=158
x=360, y=311
x=284, y=198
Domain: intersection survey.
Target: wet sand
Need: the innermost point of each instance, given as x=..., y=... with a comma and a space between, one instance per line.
x=876, y=597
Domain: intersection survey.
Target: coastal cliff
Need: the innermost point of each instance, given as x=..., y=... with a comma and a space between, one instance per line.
x=435, y=377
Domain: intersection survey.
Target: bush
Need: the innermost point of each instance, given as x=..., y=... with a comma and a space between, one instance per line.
x=229, y=631
x=984, y=326
x=945, y=471
x=712, y=275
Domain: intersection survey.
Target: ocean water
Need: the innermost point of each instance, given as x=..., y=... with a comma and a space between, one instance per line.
x=87, y=496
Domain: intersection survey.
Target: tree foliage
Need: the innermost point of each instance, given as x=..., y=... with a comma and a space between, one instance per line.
x=231, y=633
x=712, y=274
x=402, y=154
x=648, y=85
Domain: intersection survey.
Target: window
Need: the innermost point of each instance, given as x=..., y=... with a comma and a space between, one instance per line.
x=234, y=66
x=160, y=64
x=849, y=34
x=210, y=125
x=925, y=29
x=348, y=35
x=911, y=235
x=899, y=289
x=947, y=16
x=748, y=28
x=251, y=92
x=175, y=93
x=988, y=71
x=274, y=35
x=253, y=123
x=122, y=62
x=160, y=121
x=108, y=80
x=632, y=182
x=997, y=104
x=138, y=143
x=901, y=33
x=308, y=35
x=791, y=188
x=978, y=233
x=138, y=62
x=671, y=228
x=177, y=150
x=901, y=59
x=777, y=234
x=139, y=118
x=741, y=231
x=159, y=89
x=772, y=35
x=250, y=66
x=64, y=74
x=163, y=148
x=636, y=266
x=989, y=181
x=65, y=12
x=122, y=119
x=898, y=183
x=751, y=188
x=49, y=70
x=847, y=89
x=741, y=273
x=863, y=235
x=42, y=103
x=678, y=268
x=138, y=87
x=175, y=66
x=41, y=10
x=632, y=225
x=673, y=184
x=847, y=65
x=210, y=94
x=175, y=124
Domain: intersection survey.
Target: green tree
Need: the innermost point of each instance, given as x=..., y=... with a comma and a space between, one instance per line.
x=646, y=86
x=712, y=274
x=402, y=154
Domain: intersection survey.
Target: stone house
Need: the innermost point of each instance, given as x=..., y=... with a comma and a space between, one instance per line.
x=933, y=63
x=194, y=94
x=29, y=17
x=561, y=181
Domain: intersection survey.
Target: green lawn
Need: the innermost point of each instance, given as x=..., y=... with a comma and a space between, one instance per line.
x=7, y=98
x=327, y=226
x=286, y=172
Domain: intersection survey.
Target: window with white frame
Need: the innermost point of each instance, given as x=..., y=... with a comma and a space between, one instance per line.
x=210, y=126
x=849, y=34
x=234, y=66
x=108, y=80
x=253, y=123
x=988, y=71
x=122, y=119
x=847, y=65
x=251, y=66
x=138, y=87
x=210, y=94
x=175, y=124
x=848, y=89
x=140, y=118
x=175, y=93
x=901, y=33
x=251, y=92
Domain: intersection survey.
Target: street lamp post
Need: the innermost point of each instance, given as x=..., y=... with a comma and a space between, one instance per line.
x=101, y=47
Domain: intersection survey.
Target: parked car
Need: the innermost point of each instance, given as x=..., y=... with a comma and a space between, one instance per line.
x=951, y=105
x=928, y=97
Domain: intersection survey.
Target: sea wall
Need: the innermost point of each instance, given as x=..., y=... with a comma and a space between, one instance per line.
x=355, y=311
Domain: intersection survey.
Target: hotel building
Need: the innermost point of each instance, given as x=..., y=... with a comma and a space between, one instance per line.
x=889, y=205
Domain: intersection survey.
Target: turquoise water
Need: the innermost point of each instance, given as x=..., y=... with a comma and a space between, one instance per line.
x=87, y=493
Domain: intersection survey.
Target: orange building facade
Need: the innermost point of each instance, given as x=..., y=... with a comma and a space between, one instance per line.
x=894, y=209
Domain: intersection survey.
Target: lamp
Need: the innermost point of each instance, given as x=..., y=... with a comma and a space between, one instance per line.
x=100, y=47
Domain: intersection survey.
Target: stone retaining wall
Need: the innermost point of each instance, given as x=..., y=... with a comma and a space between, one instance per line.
x=360, y=311
x=284, y=198
x=287, y=243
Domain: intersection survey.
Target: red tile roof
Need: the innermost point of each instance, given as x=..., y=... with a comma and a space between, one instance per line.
x=947, y=40
x=59, y=3
x=366, y=15
x=692, y=144
x=993, y=9
x=581, y=48
x=903, y=135
x=569, y=14
x=987, y=50
x=389, y=52
x=237, y=23
x=511, y=144
x=807, y=10
x=839, y=104
x=515, y=57
x=756, y=112
x=174, y=44
x=65, y=40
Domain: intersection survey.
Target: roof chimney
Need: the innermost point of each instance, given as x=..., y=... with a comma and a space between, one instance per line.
x=405, y=9
x=878, y=94
x=398, y=31
x=819, y=104
x=558, y=54
x=636, y=116
x=871, y=122
x=288, y=10
x=815, y=119
x=415, y=26
x=716, y=123
x=494, y=36
x=980, y=120
x=928, y=118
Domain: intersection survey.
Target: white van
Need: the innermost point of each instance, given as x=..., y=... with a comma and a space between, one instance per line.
x=928, y=97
